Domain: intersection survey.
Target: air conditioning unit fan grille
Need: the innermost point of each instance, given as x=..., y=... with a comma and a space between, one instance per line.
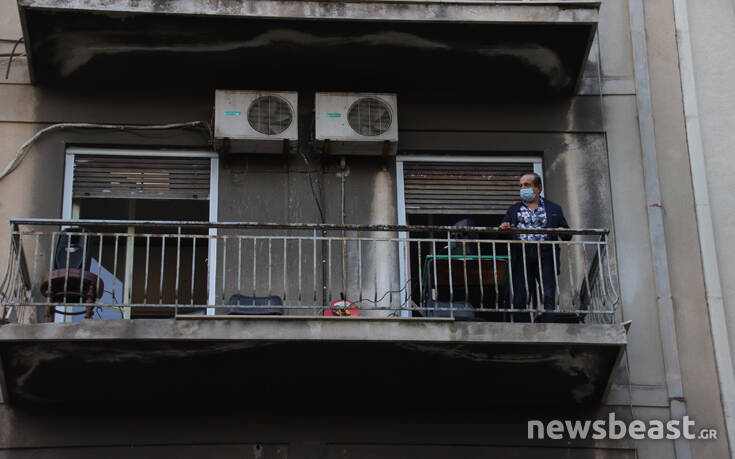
x=369, y=116
x=270, y=115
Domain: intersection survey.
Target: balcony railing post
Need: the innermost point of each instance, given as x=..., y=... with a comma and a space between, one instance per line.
x=178, y=264
x=511, y=284
x=129, y=263
x=586, y=275
x=285, y=268
x=344, y=266
x=114, y=266
x=329, y=271
x=270, y=265
x=406, y=276
x=600, y=277
x=147, y=259
x=375, y=272
x=390, y=279
x=163, y=258
x=359, y=270
x=17, y=284
x=325, y=269
x=239, y=265
x=224, y=268
x=451, y=278
x=541, y=305
x=435, y=285
x=299, y=264
x=34, y=273
x=571, y=278
x=193, y=268
x=66, y=271
x=11, y=273
x=527, y=293
x=84, y=268
x=313, y=274
x=5, y=286
x=464, y=268
x=99, y=270
x=479, y=275
x=609, y=272
x=255, y=267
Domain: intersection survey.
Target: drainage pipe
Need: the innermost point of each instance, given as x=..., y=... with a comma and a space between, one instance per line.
x=665, y=305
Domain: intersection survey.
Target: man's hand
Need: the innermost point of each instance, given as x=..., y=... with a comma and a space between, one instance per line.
x=506, y=225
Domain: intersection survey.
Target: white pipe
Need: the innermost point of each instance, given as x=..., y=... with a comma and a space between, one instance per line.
x=662, y=279
x=718, y=324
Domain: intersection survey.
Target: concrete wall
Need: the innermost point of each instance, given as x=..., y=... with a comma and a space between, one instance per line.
x=13, y=130
x=357, y=432
x=694, y=335
x=592, y=163
x=712, y=29
x=694, y=343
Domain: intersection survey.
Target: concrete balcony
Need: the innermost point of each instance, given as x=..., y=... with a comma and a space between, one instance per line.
x=422, y=318
x=308, y=359
x=528, y=46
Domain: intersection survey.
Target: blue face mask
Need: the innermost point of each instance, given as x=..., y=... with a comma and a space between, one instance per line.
x=527, y=194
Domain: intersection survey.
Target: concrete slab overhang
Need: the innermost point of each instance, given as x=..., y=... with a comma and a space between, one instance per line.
x=536, y=46
x=308, y=359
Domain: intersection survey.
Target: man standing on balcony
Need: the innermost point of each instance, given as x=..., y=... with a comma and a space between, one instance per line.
x=535, y=212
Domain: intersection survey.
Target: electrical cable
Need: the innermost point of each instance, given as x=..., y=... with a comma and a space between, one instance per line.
x=397, y=311
x=23, y=150
x=310, y=170
x=316, y=199
x=12, y=53
x=386, y=294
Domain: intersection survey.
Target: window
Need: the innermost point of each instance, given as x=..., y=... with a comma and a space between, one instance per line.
x=438, y=190
x=109, y=184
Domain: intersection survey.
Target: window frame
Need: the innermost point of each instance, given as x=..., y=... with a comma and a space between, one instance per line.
x=535, y=159
x=67, y=199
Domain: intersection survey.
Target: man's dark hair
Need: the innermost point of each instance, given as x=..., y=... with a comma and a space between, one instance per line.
x=536, y=178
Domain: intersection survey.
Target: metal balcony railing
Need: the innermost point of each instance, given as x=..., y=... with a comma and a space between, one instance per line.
x=130, y=269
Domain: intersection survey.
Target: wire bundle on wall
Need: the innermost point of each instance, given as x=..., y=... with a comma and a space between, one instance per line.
x=23, y=150
x=12, y=53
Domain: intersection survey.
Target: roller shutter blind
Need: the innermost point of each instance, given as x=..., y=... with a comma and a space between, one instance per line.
x=134, y=177
x=461, y=188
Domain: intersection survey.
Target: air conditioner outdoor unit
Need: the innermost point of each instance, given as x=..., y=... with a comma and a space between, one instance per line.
x=256, y=121
x=357, y=123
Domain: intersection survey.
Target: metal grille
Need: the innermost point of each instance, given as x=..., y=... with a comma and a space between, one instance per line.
x=270, y=115
x=140, y=177
x=461, y=188
x=369, y=116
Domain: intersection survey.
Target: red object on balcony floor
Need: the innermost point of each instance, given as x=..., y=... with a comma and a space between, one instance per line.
x=342, y=308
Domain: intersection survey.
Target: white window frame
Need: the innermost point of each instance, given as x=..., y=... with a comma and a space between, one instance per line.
x=66, y=208
x=536, y=160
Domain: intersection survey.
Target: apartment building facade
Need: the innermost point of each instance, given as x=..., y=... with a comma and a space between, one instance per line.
x=239, y=229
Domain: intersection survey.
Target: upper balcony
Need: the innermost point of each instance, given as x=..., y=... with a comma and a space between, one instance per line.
x=527, y=46
x=411, y=312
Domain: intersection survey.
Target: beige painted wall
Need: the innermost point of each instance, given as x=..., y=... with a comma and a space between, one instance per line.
x=14, y=197
x=696, y=353
x=712, y=29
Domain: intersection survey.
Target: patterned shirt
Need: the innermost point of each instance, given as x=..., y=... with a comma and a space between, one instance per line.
x=535, y=219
